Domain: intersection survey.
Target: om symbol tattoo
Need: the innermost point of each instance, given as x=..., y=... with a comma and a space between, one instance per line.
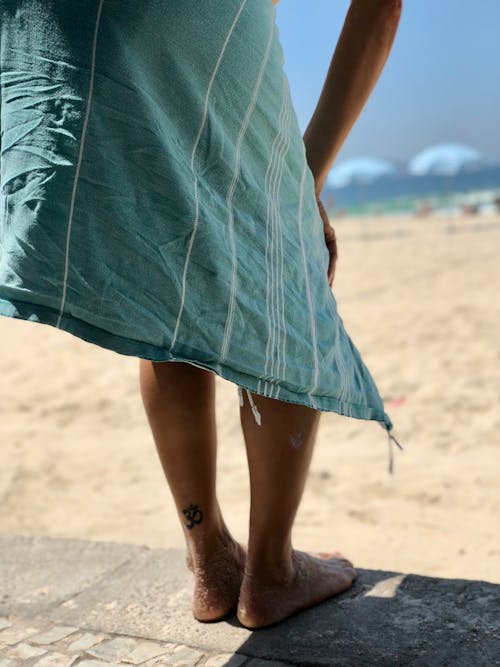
x=193, y=514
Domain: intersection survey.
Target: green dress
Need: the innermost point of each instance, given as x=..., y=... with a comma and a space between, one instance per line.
x=155, y=198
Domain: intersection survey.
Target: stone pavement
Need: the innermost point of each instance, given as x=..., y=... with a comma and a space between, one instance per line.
x=99, y=604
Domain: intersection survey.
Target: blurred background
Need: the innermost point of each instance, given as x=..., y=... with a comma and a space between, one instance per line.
x=413, y=198
x=427, y=137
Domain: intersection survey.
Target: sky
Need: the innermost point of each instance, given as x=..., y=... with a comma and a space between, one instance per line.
x=441, y=82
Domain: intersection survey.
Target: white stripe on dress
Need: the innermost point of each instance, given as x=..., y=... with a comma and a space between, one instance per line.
x=344, y=370
x=200, y=131
x=271, y=169
x=279, y=248
x=79, y=162
x=354, y=368
x=232, y=188
x=308, y=289
x=283, y=283
x=339, y=357
x=274, y=244
x=270, y=224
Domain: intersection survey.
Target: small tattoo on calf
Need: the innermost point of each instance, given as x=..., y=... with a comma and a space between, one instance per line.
x=194, y=515
x=296, y=441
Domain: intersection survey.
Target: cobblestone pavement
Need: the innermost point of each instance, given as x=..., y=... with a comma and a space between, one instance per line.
x=45, y=644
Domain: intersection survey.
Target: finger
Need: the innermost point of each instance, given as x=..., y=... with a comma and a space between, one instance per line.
x=331, y=271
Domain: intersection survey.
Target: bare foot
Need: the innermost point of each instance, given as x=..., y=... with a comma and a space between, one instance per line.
x=312, y=579
x=217, y=580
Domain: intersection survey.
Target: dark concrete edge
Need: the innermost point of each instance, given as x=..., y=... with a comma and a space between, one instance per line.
x=136, y=551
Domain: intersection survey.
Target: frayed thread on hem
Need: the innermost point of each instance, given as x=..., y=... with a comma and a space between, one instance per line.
x=255, y=411
x=390, y=440
x=387, y=426
x=240, y=394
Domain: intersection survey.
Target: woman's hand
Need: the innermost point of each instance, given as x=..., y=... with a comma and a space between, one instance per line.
x=330, y=240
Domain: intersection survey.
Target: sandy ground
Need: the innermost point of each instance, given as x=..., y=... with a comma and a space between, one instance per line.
x=420, y=300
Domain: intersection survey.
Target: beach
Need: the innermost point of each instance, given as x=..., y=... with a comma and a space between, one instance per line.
x=419, y=298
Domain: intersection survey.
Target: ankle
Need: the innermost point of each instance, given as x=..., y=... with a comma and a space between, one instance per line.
x=204, y=542
x=270, y=564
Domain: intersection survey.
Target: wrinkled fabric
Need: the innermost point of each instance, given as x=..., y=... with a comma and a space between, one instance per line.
x=155, y=197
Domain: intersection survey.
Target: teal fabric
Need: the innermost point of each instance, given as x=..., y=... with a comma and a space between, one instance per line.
x=156, y=199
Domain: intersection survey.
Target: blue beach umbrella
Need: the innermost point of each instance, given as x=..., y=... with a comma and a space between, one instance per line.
x=445, y=160
x=359, y=171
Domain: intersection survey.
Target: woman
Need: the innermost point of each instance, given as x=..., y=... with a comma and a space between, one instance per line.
x=159, y=201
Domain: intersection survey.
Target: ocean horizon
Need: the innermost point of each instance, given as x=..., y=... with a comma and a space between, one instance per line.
x=406, y=194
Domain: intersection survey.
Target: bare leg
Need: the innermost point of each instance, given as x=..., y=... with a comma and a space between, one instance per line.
x=179, y=399
x=278, y=580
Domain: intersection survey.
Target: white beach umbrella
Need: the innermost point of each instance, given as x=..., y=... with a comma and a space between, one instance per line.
x=359, y=171
x=444, y=160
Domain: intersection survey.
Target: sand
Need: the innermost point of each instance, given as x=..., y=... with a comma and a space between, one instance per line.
x=419, y=298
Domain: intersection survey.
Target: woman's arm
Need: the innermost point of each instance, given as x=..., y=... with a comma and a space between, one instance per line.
x=360, y=55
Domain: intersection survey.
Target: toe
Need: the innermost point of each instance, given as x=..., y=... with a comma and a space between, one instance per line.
x=327, y=555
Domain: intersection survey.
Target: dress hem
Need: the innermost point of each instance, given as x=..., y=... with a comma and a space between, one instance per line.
x=37, y=313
